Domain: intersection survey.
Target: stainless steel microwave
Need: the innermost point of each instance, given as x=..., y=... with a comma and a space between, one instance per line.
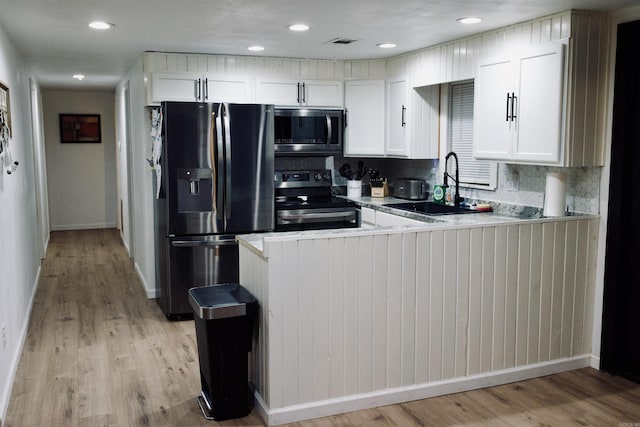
x=308, y=131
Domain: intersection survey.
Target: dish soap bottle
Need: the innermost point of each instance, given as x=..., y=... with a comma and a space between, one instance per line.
x=439, y=193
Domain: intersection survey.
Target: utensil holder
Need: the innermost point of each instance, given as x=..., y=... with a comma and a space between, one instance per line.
x=354, y=188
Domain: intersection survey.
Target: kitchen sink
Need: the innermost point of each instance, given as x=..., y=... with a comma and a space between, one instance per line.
x=430, y=208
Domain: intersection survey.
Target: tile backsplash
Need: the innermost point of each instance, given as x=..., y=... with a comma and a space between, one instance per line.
x=583, y=184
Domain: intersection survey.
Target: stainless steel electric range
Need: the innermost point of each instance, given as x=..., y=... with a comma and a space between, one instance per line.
x=304, y=201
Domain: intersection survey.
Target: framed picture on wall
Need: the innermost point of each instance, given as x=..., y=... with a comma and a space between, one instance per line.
x=80, y=128
x=5, y=116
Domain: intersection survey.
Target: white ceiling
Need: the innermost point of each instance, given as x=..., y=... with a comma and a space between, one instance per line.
x=53, y=37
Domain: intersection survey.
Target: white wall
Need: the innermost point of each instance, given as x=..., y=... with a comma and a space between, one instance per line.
x=141, y=189
x=81, y=177
x=19, y=254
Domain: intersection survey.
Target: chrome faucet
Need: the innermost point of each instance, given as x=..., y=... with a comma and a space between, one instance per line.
x=457, y=199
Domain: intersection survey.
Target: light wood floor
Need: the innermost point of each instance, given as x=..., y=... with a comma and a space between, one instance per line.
x=98, y=353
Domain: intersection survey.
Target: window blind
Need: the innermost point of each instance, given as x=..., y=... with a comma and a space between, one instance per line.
x=476, y=173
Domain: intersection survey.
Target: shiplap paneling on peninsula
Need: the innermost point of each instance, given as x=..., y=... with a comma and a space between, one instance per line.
x=354, y=315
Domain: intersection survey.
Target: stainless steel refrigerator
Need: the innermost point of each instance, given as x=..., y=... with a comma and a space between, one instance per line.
x=216, y=181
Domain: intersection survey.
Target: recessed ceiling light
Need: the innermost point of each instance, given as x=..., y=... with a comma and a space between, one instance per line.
x=386, y=45
x=469, y=20
x=78, y=76
x=100, y=25
x=299, y=27
x=256, y=48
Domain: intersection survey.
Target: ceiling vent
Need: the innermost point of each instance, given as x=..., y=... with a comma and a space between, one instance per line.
x=341, y=40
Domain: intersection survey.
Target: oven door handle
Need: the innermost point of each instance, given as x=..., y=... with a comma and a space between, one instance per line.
x=202, y=243
x=315, y=215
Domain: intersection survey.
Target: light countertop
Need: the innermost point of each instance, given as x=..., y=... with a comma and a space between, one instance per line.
x=502, y=214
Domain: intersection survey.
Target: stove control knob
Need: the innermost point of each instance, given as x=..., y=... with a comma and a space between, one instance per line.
x=326, y=177
x=317, y=177
x=285, y=177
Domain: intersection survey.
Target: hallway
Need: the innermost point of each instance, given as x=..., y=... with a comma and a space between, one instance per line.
x=99, y=353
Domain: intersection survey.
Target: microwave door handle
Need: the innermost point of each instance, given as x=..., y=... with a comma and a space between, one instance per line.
x=219, y=158
x=227, y=159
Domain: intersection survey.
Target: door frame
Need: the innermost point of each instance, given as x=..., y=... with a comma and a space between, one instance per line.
x=612, y=346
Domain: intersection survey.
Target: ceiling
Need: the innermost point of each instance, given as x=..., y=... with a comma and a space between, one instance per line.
x=55, y=41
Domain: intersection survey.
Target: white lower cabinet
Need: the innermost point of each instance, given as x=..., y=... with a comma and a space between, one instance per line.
x=518, y=107
x=371, y=216
x=387, y=219
x=367, y=216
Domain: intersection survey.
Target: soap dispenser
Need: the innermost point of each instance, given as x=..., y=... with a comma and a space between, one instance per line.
x=450, y=195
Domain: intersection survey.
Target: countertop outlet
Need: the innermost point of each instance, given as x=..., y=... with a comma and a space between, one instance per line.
x=513, y=182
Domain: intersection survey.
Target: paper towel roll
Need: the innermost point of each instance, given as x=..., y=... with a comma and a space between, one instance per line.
x=555, y=194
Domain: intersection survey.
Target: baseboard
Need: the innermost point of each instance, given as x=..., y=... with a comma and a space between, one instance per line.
x=68, y=227
x=325, y=408
x=595, y=362
x=46, y=247
x=150, y=291
x=126, y=245
x=15, y=359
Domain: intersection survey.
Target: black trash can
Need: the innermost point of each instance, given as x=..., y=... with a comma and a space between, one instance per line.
x=224, y=318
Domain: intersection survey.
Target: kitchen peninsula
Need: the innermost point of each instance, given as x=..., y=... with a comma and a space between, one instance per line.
x=358, y=318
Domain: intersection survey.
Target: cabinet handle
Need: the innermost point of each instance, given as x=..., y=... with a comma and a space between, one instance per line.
x=402, y=118
x=298, y=99
x=508, y=99
x=206, y=89
x=304, y=93
x=346, y=117
x=198, y=90
x=513, y=106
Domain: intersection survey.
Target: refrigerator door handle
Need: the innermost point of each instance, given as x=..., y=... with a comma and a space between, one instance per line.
x=218, y=185
x=227, y=169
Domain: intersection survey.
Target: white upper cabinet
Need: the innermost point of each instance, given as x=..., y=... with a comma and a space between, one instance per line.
x=412, y=120
x=537, y=134
x=364, y=107
x=493, y=129
x=232, y=88
x=200, y=87
x=398, y=122
x=175, y=87
x=294, y=93
x=425, y=126
x=411, y=127
x=539, y=121
x=518, y=107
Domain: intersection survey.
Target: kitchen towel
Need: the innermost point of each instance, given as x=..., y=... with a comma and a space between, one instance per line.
x=555, y=194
